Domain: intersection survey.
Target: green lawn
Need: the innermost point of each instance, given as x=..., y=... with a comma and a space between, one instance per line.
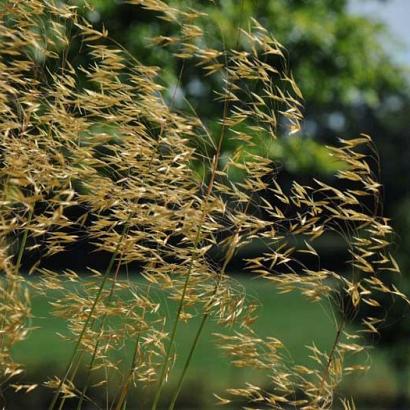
x=288, y=317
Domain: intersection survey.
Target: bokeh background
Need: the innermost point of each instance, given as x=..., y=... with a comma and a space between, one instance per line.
x=351, y=59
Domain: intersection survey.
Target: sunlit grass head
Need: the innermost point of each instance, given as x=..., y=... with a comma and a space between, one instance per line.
x=96, y=151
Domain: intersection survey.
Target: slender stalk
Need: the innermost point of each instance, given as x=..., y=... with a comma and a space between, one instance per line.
x=173, y=334
x=188, y=362
x=193, y=259
x=197, y=336
x=325, y=374
x=205, y=317
x=77, y=366
x=90, y=365
x=182, y=300
x=23, y=242
x=84, y=391
x=89, y=316
x=122, y=395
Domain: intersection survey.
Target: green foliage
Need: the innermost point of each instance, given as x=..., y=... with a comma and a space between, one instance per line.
x=340, y=61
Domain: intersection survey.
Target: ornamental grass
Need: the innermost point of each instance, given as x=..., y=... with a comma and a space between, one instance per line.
x=87, y=127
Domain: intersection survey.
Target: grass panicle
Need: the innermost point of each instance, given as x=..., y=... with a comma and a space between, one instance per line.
x=95, y=151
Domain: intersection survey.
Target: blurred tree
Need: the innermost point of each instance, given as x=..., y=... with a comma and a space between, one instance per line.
x=349, y=80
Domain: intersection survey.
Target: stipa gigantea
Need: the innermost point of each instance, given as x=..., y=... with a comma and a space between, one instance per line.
x=102, y=138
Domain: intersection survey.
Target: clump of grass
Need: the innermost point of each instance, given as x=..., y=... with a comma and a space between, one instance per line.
x=102, y=138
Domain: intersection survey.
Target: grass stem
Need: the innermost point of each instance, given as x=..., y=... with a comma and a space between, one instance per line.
x=89, y=316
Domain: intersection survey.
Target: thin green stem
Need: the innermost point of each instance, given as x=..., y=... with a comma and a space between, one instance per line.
x=326, y=370
x=84, y=391
x=205, y=317
x=173, y=334
x=122, y=395
x=197, y=336
x=213, y=174
x=90, y=365
x=89, y=316
x=23, y=243
x=77, y=366
x=188, y=362
x=182, y=299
